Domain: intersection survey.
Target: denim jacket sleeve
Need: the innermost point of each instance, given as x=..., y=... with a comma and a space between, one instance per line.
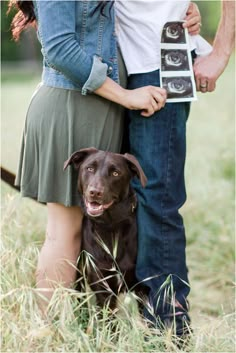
x=61, y=51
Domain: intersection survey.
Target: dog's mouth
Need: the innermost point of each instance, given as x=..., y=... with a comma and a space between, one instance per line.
x=96, y=209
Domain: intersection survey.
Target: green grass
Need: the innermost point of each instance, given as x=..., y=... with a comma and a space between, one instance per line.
x=210, y=226
x=15, y=72
x=17, y=76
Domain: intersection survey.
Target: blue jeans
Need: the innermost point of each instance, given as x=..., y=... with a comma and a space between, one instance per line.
x=159, y=143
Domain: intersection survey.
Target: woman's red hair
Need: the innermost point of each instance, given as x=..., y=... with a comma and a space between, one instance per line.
x=24, y=17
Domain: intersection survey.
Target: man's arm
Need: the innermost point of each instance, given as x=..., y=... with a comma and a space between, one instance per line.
x=207, y=69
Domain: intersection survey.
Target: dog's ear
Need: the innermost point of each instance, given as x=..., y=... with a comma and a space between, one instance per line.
x=78, y=157
x=136, y=168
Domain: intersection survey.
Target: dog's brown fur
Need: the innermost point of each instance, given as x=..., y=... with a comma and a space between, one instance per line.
x=109, y=230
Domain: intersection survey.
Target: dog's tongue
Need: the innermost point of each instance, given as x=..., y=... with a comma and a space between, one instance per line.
x=95, y=209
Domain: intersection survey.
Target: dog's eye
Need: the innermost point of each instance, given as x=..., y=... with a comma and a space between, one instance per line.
x=115, y=173
x=90, y=169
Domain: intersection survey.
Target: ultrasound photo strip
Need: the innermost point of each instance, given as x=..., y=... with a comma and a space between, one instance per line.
x=176, y=72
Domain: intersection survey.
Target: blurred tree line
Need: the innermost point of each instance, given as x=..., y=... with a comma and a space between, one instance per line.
x=28, y=47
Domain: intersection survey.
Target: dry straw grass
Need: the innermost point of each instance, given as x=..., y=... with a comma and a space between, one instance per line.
x=74, y=323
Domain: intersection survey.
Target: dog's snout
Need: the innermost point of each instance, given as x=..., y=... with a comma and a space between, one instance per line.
x=95, y=192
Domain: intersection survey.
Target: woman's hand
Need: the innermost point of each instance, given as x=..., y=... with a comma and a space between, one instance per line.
x=148, y=99
x=193, y=19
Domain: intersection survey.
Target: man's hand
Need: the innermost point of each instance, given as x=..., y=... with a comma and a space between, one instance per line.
x=207, y=70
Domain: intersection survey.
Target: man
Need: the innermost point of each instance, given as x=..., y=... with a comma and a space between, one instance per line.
x=159, y=143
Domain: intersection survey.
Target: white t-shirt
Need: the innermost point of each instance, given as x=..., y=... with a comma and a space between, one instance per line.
x=139, y=26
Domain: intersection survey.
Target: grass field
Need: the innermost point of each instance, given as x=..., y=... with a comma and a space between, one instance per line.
x=210, y=226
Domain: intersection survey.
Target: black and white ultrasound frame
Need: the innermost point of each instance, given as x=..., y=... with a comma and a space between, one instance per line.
x=174, y=60
x=176, y=74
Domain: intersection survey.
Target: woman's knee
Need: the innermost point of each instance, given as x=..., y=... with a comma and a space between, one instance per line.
x=64, y=221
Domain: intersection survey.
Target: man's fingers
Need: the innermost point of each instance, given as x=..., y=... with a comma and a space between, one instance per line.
x=202, y=84
x=198, y=82
x=205, y=85
x=211, y=86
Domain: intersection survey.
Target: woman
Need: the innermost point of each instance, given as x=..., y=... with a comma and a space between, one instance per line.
x=78, y=104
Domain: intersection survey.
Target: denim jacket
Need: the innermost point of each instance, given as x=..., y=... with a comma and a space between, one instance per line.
x=78, y=43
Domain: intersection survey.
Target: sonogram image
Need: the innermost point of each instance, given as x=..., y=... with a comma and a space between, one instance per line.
x=176, y=60
x=178, y=87
x=173, y=32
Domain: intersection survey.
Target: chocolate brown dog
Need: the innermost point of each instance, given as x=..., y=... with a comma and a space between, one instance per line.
x=109, y=232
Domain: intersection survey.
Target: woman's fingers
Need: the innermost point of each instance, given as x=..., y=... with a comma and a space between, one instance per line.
x=157, y=101
x=193, y=25
x=193, y=19
x=160, y=97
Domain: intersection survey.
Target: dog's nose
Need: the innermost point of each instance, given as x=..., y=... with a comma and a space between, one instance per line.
x=95, y=193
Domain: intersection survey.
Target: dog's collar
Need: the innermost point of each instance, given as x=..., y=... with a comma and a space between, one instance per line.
x=118, y=212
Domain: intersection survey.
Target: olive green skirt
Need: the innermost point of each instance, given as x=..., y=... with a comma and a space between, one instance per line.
x=58, y=123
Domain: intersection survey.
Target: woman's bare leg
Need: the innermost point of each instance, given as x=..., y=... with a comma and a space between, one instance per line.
x=58, y=256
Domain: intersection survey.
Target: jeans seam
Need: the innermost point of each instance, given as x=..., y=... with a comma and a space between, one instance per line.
x=165, y=194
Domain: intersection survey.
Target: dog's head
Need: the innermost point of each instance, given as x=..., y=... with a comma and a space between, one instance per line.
x=104, y=177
